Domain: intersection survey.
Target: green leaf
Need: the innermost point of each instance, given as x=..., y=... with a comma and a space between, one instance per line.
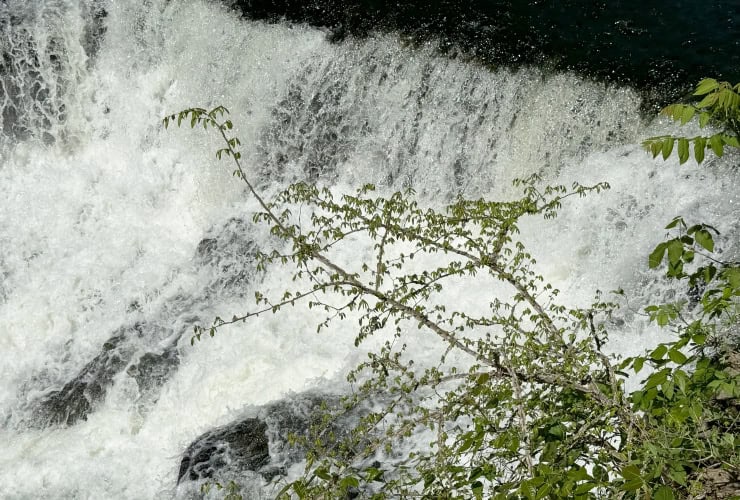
x=349, y=482
x=683, y=150
x=543, y=491
x=699, y=338
x=668, y=388
x=663, y=317
x=374, y=474
x=675, y=251
x=704, y=238
x=673, y=110
x=708, y=101
x=687, y=114
x=700, y=145
x=679, y=476
x=633, y=485
x=557, y=431
x=584, y=488
x=705, y=86
x=732, y=275
x=322, y=473
x=708, y=273
x=663, y=493
x=659, y=352
x=631, y=474
x=429, y=478
x=716, y=144
x=680, y=378
x=637, y=365
x=677, y=356
x=656, y=256
x=731, y=141
x=667, y=147
x=656, y=379
x=675, y=222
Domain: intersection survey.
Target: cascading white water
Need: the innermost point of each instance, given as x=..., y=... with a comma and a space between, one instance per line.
x=103, y=211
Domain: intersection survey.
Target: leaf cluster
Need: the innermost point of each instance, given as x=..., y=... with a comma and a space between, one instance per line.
x=719, y=107
x=690, y=397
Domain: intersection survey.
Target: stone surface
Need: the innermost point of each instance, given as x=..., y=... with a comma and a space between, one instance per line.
x=228, y=255
x=241, y=445
x=258, y=442
x=225, y=260
x=78, y=397
x=153, y=369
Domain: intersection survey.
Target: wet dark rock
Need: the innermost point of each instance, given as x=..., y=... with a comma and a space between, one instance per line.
x=152, y=370
x=242, y=446
x=310, y=128
x=24, y=88
x=257, y=443
x=228, y=254
x=33, y=80
x=78, y=397
x=94, y=28
x=147, y=351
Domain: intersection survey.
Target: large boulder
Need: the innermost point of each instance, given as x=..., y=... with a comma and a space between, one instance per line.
x=78, y=397
x=257, y=442
x=241, y=445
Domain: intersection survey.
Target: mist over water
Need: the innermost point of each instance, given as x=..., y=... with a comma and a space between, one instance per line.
x=116, y=236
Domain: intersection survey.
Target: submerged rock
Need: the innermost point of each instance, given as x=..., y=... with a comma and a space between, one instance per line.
x=80, y=396
x=147, y=350
x=228, y=256
x=154, y=369
x=256, y=443
x=242, y=445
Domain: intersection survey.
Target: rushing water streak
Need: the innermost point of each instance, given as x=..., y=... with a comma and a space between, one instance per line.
x=116, y=237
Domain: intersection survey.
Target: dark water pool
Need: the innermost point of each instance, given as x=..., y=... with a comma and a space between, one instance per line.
x=659, y=46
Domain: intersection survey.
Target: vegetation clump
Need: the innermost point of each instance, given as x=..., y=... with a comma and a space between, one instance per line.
x=521, y=402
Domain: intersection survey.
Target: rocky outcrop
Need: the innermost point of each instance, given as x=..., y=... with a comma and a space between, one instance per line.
x=227, y=255
x=79, y=397
x=242, y=445
x=258, y=442
x=147, y=350
x=717, y=483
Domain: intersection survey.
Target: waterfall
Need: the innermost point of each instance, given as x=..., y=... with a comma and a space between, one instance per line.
x=117, y=237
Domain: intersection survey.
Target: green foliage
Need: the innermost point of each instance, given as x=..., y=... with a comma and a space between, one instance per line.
x=690, y=398
x=230, y=491
x=521, y=401
x=692, y=393
x=719, y=107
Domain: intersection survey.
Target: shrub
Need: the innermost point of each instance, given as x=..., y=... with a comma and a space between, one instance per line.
x=522, y=402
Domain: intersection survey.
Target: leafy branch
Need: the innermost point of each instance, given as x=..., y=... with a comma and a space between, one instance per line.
x=719, y=107
x=522, y=401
